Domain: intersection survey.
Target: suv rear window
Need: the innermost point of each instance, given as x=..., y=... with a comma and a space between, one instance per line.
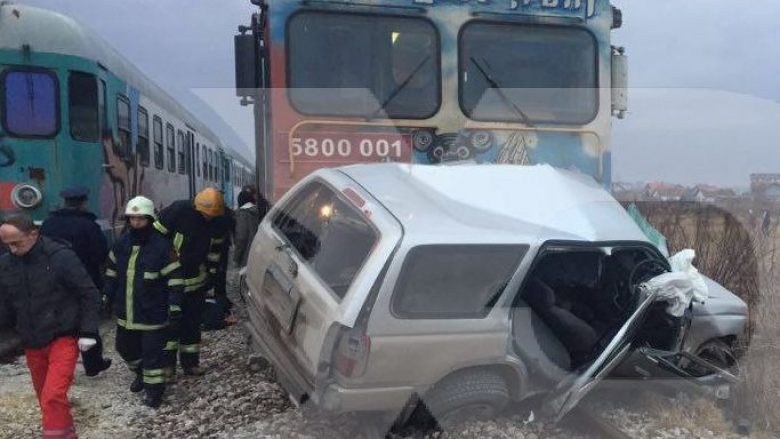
x=454, y=281
x=328, y=233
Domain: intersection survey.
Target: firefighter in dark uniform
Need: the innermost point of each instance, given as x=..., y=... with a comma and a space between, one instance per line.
x=75, y=225
x=198, y=232
x=144, y=279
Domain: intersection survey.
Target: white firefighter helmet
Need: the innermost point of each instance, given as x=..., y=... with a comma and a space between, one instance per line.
x=140, y=206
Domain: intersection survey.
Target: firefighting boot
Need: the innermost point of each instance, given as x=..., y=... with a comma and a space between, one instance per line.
x=170, y=375
x=153, y=397
x=194, y=371
x=138, y=384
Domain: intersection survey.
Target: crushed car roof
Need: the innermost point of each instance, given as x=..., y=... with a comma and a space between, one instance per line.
x=527, y=203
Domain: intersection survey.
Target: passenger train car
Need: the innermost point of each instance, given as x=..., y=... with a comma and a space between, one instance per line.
x=75, y=112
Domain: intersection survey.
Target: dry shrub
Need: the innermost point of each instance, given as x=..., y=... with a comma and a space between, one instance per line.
x=738, y=248
x=693, y=415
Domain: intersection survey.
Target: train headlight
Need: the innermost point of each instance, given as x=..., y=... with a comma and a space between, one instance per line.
x=422, y=140
x=26, y=196
x=481, y=140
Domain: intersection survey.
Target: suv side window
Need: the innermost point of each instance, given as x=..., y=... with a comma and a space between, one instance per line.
x=454, y=281
x=327, y=232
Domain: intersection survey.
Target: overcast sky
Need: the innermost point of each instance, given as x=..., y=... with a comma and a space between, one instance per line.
x=704, y=76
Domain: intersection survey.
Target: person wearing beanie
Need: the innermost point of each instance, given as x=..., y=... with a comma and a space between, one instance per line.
x=198, y=230
x=144, y=280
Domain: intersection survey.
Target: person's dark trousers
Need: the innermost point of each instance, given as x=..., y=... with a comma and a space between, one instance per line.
x=220, y=283
x=143, y=352
x=93, y=360
x=187, y=339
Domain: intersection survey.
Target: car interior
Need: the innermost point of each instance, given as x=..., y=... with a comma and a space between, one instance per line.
x=580, y=298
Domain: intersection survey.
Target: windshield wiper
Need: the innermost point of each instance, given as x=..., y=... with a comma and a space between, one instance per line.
x=504, y=98
x=400, y=87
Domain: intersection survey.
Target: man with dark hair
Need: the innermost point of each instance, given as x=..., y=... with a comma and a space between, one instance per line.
x=75, y=225
x=45, y=289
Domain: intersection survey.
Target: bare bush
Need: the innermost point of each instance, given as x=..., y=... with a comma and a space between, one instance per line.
x=738, y=247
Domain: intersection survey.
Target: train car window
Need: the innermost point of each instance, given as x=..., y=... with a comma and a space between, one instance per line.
x=188, y=152
x=218, y=166
x=205, y=163
x=102, y=112
x=227, y=170
x=180, y=146
x=123, y=124
x=169, y=138
x=211, y=165
x=208, y=164
x=142, y=148
x=158, y=142
x=30, y=99
x=197, y=158
x=83, y=105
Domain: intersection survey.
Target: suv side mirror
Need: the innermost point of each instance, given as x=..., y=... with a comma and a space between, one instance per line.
x=248, y=58
x=619, y=82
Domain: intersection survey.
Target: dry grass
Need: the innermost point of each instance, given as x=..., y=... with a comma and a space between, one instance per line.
x=737, y=248
x=690, y=415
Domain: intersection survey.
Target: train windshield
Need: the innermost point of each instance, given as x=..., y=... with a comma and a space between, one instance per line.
x=363, y=65
x=30, y=103
x=513, y=72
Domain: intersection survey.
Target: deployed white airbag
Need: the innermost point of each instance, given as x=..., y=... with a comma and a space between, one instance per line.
x=680, y=287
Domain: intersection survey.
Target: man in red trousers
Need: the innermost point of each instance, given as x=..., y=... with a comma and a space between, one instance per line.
x=47, y=293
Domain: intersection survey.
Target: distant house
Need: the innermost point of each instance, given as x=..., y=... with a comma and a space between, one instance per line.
x=705, y=193
x=624, y=191
x=765, y=185
x=660, y=191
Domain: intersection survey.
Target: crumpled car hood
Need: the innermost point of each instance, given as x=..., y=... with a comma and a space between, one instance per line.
x=720, y=301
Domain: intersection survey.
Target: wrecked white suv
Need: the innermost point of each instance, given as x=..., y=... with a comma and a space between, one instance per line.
x=372, y=287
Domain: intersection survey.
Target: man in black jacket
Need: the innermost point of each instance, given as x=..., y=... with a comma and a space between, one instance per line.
x=45, y=289
x=75, y=225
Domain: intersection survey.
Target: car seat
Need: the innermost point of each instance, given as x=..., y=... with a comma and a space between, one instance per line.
x=577, y=335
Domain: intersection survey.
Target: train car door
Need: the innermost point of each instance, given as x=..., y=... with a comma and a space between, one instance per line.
x=191, y=174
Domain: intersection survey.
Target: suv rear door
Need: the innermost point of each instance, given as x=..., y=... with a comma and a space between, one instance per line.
x=311, y=267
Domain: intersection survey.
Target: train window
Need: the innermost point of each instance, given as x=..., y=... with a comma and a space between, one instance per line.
x=188, y=140
x=205, y=163
x=214, y=165
x=102, y=104
x=123, y=124
x=550, y=71
x=83, y=106
x=363, y=65
x=142, y=148
x=158, y=142
x=31, y=103
x=208, y=165
x=169, y=138
x=197, y=158
x=227, y=170
x=180, y=146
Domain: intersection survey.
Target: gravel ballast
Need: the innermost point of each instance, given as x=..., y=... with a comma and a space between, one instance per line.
x=232, y=401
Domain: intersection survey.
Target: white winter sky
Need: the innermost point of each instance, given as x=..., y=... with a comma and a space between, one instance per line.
x=704, y=76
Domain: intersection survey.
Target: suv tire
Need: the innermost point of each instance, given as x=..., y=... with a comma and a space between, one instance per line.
x=474, y=394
